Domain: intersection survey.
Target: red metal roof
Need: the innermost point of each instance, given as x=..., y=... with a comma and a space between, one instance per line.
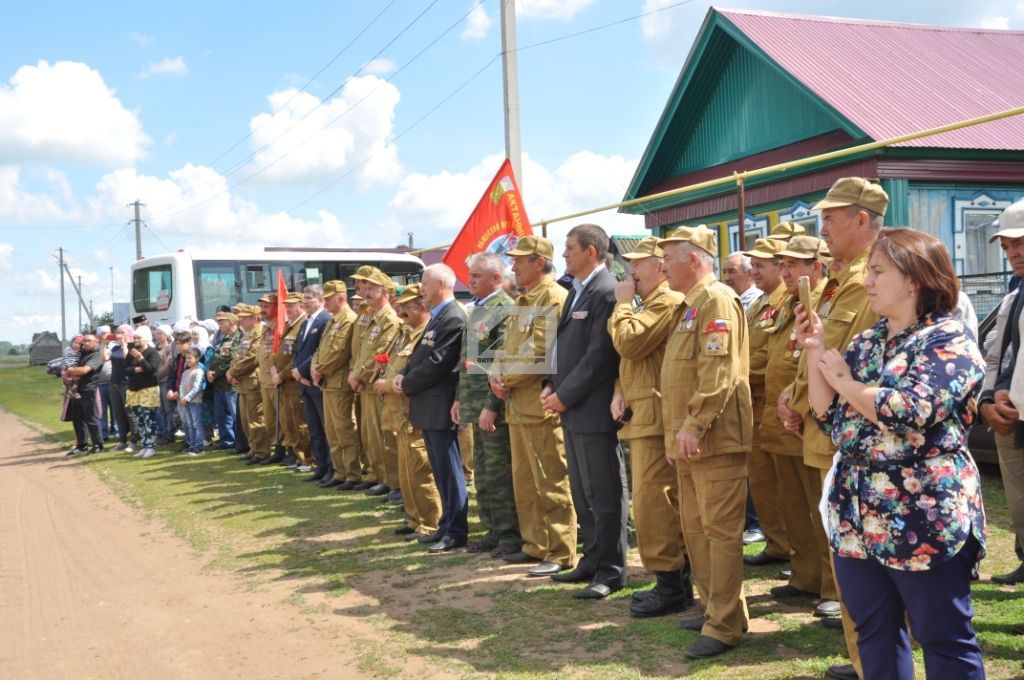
x=890, y=79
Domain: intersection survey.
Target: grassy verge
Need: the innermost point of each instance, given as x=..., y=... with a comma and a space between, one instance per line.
x=460, y=614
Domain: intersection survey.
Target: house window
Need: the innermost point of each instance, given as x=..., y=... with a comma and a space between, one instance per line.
x=972, y=228
x=753, y=229
x=802, y=213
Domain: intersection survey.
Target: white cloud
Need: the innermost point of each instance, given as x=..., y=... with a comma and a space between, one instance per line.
x=1001, y=23
x=20, y=204
x=478, y=23
x=65, y=112
x=435, y=207
x=192, y=207
x=167, y=66
x=6, y=253
x=560, y=10
x=303, y=143
x=379, y=67
x=661, y=32
x=141, y=39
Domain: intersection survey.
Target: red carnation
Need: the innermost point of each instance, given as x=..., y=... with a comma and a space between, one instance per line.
x=382, y=358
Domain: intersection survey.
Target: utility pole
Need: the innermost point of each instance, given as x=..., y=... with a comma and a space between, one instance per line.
x=63, y=313
x=510, y=79
x=138, y=229
x=410, y=241
x=81, y=300
x=79, y=308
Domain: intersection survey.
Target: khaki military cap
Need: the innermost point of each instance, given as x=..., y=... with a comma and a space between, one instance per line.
x=293, y=298
x=805, y=248
x=700, y=236
x=1011, y=222
x=270, y=298
x=409, y=293
x=856, y=191
x=648, y=247
x=381, y=279
x=333, y=287
x=766, y=248
x=534, y=245
x=248, y=311
x=226, y=316
x=784, y=231
x=364, y=272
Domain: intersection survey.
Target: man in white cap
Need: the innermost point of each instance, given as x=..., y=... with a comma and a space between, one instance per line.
x=999, y=405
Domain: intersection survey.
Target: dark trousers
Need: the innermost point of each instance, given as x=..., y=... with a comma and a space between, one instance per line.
x=86, y=419
x=938, y=602
x=313, y=406
x=105, y=424
x=446, y=462
x=597, y=479
x=119, y=414
x=225, y=409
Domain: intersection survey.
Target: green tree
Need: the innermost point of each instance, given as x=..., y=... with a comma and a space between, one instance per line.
x=104, y=319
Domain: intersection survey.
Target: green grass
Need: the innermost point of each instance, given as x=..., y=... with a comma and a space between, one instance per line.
x=461, y=614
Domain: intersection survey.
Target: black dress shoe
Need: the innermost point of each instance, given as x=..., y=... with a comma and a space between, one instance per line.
x=841, y=672
x=330, y=483
x=404, y=530
x=378, y=490
x=660, y=602
x=257, y=461
x=364, y=485
x=519, y=557
x=287, y=461
x=706, y=647
x=577, y=575
x=545, y=569
x=313, y=478
x=347, y=486
x=481, y=545
x=596, y=591
x=503, y=550
x=832, y=623
x=74, y=451
x=429, y=538
x=96, y=448
x=695, y=623
x=789, y=591
x=1014, y=577
x=446, y=544
x=763, y=559
x=245, y=450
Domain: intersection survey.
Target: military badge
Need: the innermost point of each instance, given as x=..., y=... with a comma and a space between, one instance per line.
x=716, y=340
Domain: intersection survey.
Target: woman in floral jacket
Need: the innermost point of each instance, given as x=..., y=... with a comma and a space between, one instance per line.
x=905, y=516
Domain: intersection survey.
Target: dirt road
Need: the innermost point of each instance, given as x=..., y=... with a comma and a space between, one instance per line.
x=90, y=589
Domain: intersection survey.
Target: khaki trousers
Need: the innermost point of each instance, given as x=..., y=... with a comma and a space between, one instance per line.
x=389, y=440
x=466, y=452
x=372, y=436
x=540, y=483
x=250, y=410
x=656, y=505
x=764, y=487
x=713, y=489
x=269, y=397
x=1011, y=469
x=420, y=498
x=342, y=436
x=812, y=480
x=293, y=422
x=805, y=560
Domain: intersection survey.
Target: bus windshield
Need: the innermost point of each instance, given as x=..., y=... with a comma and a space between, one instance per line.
x=152, y=288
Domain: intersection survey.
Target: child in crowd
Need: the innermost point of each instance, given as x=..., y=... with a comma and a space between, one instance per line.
x=190, y=401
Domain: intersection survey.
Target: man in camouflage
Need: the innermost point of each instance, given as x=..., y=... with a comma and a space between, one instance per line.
x=225, y=401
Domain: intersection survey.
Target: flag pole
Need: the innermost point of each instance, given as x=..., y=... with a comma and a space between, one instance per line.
x=510, y=81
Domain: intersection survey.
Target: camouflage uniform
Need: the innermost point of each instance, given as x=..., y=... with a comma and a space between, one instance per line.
x=492, y=453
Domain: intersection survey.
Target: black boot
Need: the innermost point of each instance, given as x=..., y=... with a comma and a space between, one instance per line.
x=668, y=596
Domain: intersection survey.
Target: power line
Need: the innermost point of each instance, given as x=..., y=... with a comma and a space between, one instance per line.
x=166, y=247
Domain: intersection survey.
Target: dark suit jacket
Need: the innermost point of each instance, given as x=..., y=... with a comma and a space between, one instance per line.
x=432, y=375
x=302, y=354
x=586, y=362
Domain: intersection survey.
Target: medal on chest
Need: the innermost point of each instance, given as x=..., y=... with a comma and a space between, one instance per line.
x=826, y=300
x=689, y=320
x=791, y=346
x=767, y=317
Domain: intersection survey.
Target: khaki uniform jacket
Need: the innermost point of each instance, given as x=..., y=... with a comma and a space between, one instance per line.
x=380, y=333
x=283, y=357
x=705, y=376
x=783, y=360
x=844, y=312
x=362, y=324
x=639, y=336
x=334, y=355
x=394, y=414
x=246, y=364
x=760, y=318
x=265, y=356
x=527, y=336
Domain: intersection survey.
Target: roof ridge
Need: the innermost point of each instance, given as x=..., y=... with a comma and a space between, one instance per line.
x=726, y=11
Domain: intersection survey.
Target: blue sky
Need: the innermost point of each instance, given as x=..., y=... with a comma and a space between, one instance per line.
x=196, y=110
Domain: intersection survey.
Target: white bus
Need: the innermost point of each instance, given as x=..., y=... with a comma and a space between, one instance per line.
x=179, y=285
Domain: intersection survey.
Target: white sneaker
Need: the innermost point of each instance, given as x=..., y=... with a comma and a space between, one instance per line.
x=148, y=453
x=304, y=468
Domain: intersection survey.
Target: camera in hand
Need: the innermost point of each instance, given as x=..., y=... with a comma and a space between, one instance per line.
x=626, y=417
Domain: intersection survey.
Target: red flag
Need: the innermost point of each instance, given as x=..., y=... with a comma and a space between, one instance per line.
x=496, y=225
x=279, y=321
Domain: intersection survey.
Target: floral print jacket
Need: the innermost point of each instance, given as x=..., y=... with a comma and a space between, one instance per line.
x=907, y=492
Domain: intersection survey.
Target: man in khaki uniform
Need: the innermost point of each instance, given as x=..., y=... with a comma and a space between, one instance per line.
x=764, y=486
x=540, y=475
x=639, y=334
x=330, y=369
x=295, y=436
x=803, y=256
x=245, y=376
x=269, y=393
x=420, y=498
x=708, y=433
x=363, y=317
x=380, y=333
x=852, y=215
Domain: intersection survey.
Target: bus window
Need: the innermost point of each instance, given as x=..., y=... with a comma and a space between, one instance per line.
x=402, y=272
x=261, y=279
x=152, y=288
x=216, y=287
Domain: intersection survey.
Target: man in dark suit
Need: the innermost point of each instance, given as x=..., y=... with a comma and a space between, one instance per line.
x=312, y=398
x=430, y=381
x=580, y=388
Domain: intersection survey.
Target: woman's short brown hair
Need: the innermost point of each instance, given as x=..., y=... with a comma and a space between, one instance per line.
x=925, y=261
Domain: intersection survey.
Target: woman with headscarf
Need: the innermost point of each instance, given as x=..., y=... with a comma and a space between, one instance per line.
x=201, y=341
x=141, y=366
